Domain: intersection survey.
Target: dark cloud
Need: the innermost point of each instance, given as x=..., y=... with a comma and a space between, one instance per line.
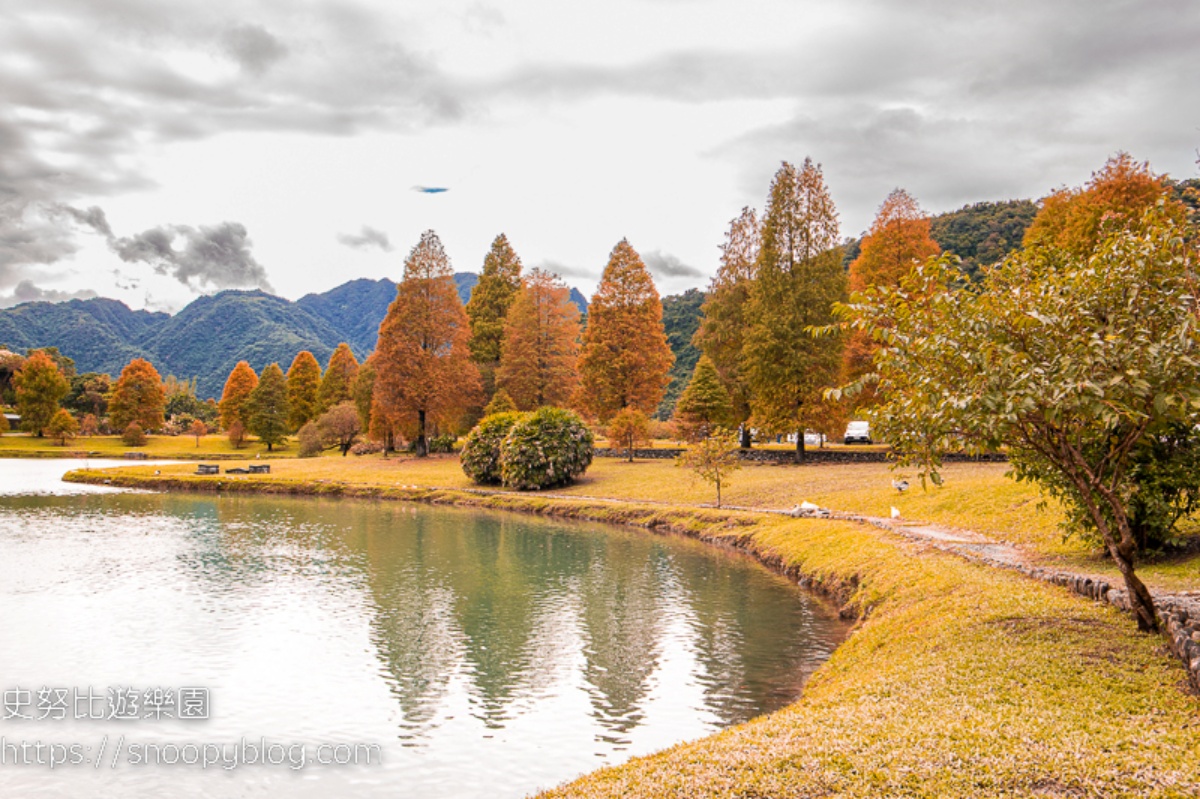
x=253, y=47
x=218, y=256
x=92, y=217
x=26, y=291
x=366, y=239
x=665, y=265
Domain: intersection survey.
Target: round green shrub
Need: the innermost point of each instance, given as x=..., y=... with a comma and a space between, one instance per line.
x=481, y=450
x=311, y=444
x=550, y=447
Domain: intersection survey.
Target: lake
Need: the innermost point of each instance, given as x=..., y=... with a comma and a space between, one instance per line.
x=364, y=648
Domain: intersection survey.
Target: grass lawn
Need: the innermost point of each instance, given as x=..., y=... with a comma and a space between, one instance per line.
x=16, y=445
x=976, y=496
x=959, y=680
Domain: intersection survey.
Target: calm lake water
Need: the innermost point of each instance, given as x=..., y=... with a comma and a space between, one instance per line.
x=465, y=654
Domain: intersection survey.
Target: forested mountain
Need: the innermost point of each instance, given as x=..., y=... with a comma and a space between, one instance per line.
x=99, y=334
x=983, y=233
x=681, y=318
x=208, y=337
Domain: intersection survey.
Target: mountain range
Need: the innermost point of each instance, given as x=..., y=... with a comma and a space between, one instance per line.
x=209, y=336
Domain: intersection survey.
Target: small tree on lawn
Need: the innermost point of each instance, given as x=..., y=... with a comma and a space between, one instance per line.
x=628, y=429
x=90, y=426
x=134, y=435
x=340, y=425
x=236, y=433
x=62, y=427
x=1075, y=363
x=704, y=404
x=713, y=459
x=198, y=429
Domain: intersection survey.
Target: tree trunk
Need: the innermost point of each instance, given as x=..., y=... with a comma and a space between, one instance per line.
x=422, y=444
x=801, y=454
x=745, y=443
x=718, y=492
x=1140, y=599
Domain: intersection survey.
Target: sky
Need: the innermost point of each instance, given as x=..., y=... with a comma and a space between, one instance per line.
x=156, y=150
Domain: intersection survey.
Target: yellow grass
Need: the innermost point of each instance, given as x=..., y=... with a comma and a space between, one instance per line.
x=959, y=681
x=18, y=445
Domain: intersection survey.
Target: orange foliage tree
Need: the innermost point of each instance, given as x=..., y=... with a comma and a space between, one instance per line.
x=625, y=356
x=241, y=381
x=423, y=364
x=541, y=344
x=337, y=385
x=899, y=236
x=1075, y=220
x=303, y=383
x=138, y=396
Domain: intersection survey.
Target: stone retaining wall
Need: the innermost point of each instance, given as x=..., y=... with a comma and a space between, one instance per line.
x=789, y=456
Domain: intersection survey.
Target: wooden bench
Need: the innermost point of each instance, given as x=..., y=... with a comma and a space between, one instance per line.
x=208, y=468
x=264, y=468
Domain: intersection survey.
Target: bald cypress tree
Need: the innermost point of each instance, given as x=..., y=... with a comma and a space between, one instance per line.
x=423, y=366
x=303, y=382
x=241, y=381
x=625, y=357
x=722, y=332
x=337, y=385
x=798, y=279
x=704, y=405
x=488, y=307
x=267, y=407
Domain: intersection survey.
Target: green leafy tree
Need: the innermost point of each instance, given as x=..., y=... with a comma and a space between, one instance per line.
x=625, y=358
x=303, y=383
x=713, y=459
x=488, y=307
x=481, y=450
x=40, y=387
x=549, y=447
x=268, y=407
x=722, y=332
x=62, y=427
x=89, y=394
x=799, y=277
x=138, y=396
x=1072, y=362
x=337, y=385
x=704, y=404
x=362, y=392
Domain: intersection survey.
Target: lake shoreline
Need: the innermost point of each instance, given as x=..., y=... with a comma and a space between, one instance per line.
x=880, y=714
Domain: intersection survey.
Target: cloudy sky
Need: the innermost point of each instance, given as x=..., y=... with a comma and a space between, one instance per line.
x=152, y=150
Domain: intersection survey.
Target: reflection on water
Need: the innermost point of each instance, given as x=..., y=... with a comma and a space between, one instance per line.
x=489, y=655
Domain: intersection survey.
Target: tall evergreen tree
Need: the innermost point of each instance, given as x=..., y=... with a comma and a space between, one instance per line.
x=40, y=387
x=423, y=364
x=238, y=385
x=362, y=392
x=704, y=405
x=488, y=307
x=267, y=407
x=337, y=385
x=899, y=237
x=625, y=357
x=722, y=333
x=303, y=383
x=138, y=396
x=541, y=344
x=799, y=277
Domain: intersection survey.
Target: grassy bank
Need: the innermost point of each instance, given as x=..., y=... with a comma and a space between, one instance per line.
x=976, y=496
x=959, y=681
